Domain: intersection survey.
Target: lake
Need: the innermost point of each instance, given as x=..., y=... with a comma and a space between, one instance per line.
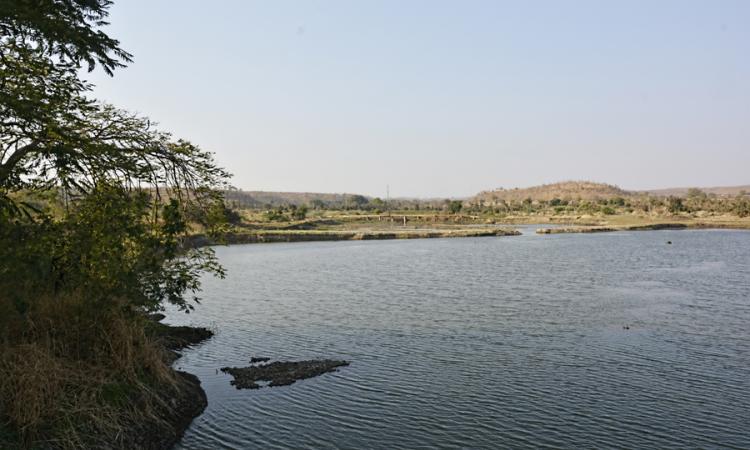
x=611, y=340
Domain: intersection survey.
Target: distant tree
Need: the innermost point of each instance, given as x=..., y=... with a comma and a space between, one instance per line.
x=693, y=193
x=454, y=206
x=617, y=201
x=741, y=206
x=300, y=213
x=276, y=215
x=357, y=201
x=674, y=204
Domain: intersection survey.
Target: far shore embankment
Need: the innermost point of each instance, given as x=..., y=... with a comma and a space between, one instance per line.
x=275, y=236
x=639, y=227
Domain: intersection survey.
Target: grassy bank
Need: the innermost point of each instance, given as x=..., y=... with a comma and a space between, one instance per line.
x=73, y=377
x=623, y=224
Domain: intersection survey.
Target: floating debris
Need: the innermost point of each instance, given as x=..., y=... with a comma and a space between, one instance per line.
x=281, y=373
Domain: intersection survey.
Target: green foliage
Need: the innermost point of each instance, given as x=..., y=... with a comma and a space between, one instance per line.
x=95, y=208
x=608, y=210
x=741, y=206
x=128, y=188
x=455, y=206
x=357, y=201
x=675, y=205
x=276, y=215
x=106, y=246
x=299, y=213
x=66, y=29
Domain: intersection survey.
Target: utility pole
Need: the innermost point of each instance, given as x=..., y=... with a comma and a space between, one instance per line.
x=387, y=199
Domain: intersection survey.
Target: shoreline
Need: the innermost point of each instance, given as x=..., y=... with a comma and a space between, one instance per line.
x=639, y=227
x=268, y=236
x=276, y=236
x=188, y=399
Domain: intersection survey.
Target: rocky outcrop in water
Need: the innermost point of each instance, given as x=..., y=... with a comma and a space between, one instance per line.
x=281, y=373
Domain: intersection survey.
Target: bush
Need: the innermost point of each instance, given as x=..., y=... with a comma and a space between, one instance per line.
x=674, y=204
x=455, y=206
x=299, y=213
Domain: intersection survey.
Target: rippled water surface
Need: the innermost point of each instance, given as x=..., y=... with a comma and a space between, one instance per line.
x=484, y=342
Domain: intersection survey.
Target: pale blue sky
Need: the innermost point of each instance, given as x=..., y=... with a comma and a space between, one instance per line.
x=438, y=98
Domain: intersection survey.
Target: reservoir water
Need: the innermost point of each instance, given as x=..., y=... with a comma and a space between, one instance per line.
x=611, y=340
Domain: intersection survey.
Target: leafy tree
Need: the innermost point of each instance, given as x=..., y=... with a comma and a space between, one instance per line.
x=69, y=30
x=741, y=206
x=674, y=204
x=357, y=201
x=300, y=213
x=54, y=138
x=455, y=206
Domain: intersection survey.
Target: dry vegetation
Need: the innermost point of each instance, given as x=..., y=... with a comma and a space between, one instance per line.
x=76, y=377
x=568, y=190
x=489, y=213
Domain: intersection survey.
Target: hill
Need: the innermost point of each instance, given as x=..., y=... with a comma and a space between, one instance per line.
x=566, y=190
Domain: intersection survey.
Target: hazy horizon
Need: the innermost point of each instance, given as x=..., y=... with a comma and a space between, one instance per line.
x=445, y=99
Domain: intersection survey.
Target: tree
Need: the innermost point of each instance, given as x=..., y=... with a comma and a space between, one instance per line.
x=741, y=206
x=54, y=138
x=95, y=211
x=695, y=193
x=455, y=206
x=674, y=204
x=300, y=213
x=357, y=201
x=66, y=29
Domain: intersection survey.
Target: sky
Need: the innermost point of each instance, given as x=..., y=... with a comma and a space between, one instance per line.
x=444, y=98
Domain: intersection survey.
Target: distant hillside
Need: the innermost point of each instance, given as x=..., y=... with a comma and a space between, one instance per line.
x=722, y=191
x=262, y=199
x=567, y=190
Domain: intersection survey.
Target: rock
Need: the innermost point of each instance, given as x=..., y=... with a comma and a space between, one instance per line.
x=281, y=373
x=259, y=359
x=156, y=317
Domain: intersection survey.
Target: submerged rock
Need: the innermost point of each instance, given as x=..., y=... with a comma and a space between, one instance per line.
x=281, y=373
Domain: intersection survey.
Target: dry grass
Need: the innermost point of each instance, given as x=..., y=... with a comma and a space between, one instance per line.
x=72, y=376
